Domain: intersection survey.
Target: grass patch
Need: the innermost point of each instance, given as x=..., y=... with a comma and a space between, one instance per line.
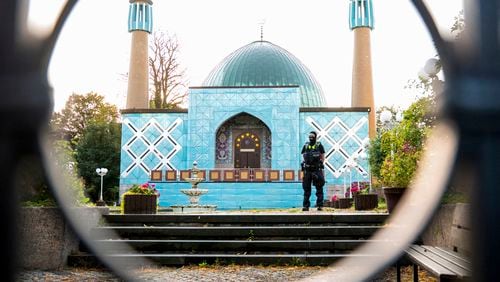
x=203, y=264
x=40, y=203
x=454, y=198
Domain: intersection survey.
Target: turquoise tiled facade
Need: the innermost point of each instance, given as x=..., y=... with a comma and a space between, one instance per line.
x=236, y=195
x=151, y=141
x=173, y=140
x=276, y=107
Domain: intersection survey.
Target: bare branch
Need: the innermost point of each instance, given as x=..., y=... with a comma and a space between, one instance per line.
x=166, y=75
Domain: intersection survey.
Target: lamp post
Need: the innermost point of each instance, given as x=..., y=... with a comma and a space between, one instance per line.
x=344, y=173
x=364, y=157
x=356, y=164
x=350, y=164
x=388, y=122
x=101, y=172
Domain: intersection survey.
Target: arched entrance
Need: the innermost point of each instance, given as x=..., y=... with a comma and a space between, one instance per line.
x=243, y=141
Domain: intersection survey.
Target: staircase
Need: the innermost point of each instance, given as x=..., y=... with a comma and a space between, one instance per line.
x=180, y=239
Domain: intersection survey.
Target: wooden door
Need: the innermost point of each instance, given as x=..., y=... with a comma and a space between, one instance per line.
x=247, y=150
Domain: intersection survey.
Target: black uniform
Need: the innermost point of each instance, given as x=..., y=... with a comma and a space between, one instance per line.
x=313, y=173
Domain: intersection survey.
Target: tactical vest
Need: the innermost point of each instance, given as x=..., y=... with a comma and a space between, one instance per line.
x=312, y=155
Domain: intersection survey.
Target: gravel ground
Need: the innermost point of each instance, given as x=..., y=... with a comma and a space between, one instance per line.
x=209, y=274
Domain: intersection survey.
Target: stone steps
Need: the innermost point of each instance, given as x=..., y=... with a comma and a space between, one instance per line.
x=235, y=246
x=246, y=219
x=241, y=232
x=180, y=239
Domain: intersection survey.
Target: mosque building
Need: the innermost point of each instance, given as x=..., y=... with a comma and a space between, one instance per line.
x=245, y=125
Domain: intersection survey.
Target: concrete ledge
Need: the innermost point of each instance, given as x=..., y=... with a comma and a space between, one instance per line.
x=439, y=231
x=46, y=238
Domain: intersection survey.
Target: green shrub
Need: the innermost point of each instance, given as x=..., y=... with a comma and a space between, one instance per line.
x=394, y=153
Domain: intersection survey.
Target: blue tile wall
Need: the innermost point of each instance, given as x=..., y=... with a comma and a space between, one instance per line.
x=151, y=141
x=234, y=196
x=342, y=134
x=276, y=107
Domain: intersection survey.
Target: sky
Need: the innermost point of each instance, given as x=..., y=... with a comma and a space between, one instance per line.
x=93, y=50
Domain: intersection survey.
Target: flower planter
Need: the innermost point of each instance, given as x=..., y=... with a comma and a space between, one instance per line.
x=345, y=203
x=335, y=204
x=392, y=196
x=365, y=201
x=139, y=204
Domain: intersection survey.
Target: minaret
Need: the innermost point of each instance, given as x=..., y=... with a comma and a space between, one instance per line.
x=361, y=22
x=140, y=24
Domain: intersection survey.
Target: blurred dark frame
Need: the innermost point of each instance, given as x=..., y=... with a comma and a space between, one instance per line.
x=471, y=101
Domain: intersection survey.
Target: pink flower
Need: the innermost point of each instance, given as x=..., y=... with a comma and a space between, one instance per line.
x=335, y=198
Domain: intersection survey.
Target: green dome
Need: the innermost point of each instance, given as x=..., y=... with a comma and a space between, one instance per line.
x=262, y=63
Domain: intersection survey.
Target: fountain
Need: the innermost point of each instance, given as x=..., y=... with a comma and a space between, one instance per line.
x=194, y=194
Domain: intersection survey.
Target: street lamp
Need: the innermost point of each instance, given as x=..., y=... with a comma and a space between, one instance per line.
x=387, y=122
x=386, y=118
x=351, y=163
x=101, y=172
x=430, y=72
x=364, y=156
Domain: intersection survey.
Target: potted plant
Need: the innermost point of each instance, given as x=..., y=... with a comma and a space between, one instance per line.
x=396, y=174
x=364, y=199
x=347, y=201
x=335, y=202
x=140, y=199
x=394, y=153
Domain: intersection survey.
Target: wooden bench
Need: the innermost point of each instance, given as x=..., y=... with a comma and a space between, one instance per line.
x=445, y=264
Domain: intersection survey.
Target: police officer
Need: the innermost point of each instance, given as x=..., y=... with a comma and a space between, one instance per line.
x=313, y=155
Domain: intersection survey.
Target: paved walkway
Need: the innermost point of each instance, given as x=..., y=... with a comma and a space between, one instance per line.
x=208, y=274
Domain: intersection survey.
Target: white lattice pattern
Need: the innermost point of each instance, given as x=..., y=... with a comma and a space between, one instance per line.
x=149, y=146
x=339, y=146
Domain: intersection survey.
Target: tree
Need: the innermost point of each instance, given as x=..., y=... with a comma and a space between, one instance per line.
x=66, y=163
x=459, y=24
x=78, y=112
x=99, y=146
x=165, y=72
x=34, y=190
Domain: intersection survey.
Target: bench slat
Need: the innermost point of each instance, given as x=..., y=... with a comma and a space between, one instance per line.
x=437, y=258
x=430, y=265
x=453, y=256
